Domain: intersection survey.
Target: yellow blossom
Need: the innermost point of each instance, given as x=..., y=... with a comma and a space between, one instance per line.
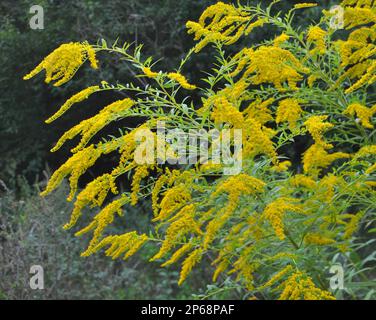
x=317, y=158
x=353, y=225
x=173, y=199
x=280, y=39
x=63, y=62
x=94, y=193
x=316, y=127
x=305, y=5
x=141, y=172
x=300, y=180
x=88, y=128
x=317, y=36
x=289, y=110
x=362, y=112
x=274, y=65
x=318, y=239
x=276, y=277
x=275, y=211
x=259, y=110
x=179, y=78
x=224, y=111
x=299, y=286
x=100, y=222
x=189, y=263
x=147, y=71
x=78, y=97
x=126, y=244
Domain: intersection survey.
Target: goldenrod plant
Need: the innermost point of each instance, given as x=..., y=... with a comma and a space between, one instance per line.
x=274, y=228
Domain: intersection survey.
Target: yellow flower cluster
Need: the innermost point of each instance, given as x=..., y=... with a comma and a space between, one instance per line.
x=63, y=63
x=316, y=127
x=75, y=166
x=88, y=128
x=305, y=5
x=150, y=74
x=224, y=111
x=100, y=222
x=126, y=244
x=363, y=113
x=182, y=224
x=173, y=199
x=300, y=286
x=289, y=110
x=276, y=277
x=278, y=41
x=275, y=211
x=257, y=140
x=259, y=110
x=317, y=158
x=189, y=263
x=179, y=78
x=78, y=97
x=270, y=64
x=235, y=187
x=318, y=239
x=227, y=24
x=357, y=52
x=316, y=35
x=93, y=194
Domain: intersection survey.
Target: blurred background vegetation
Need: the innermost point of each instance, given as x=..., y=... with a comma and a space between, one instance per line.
x=30, y=227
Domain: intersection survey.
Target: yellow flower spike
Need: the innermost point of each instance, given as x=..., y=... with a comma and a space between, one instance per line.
x=127, y=245
x=182, y=225
x=317, y=158
x=89, y=127
x=276, y=66
x=282, y=166
x=317, y=36
x=63, y=62
x=278, y=41
x=354, y=17
x=299, y=286
x=78, y=97
x=259, y=111
x=305, y=5
x=94, y=193
x=173, y=199
x=178, y=254
x=222, y=266
x=179, y=78
x=76, y=165
x=256, y=140
x=141, y=172
x=363, y=113
x=317, y=127
x=225, y=112
x=300, y=180
x=289, y=111
x=353, y=225
x=318, y=239
x=101, y=221
x=276, y=277
x=275, y=211
x=150, y=74
x=189, y=263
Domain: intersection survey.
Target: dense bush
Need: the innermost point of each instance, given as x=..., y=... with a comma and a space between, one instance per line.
x=276, y=227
